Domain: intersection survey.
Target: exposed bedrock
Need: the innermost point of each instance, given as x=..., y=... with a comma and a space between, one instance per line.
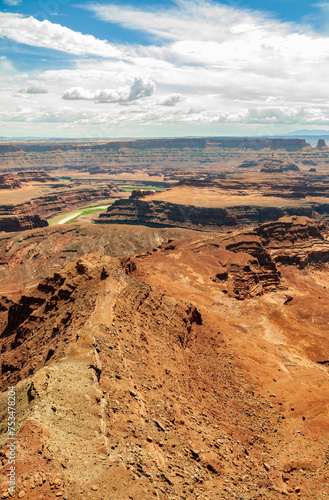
x=224, y=142
x=53, y=204
x=10, y=224
x=46, y=316
x=321, y=144
x=162, y=214
x=274, y=165
x=248, y=263
x=157, y=213
x=290, y=240
x=8, y=181
x=244, y=264
x=295, y=240
x=245, y=268
x=15, y=180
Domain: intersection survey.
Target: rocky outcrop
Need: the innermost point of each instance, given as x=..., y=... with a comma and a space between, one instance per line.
x=138, y=193
x=47, y=313
x=258, y=144
x=249, y=164
x=291, y=230
x=161, y=214
x=10, y=148
x=249, y=272
x=53, y=204
x=50, y=205
x=15, y=223
x=229, y=143
x=21, y=311
x=321, y=144
x=8, y=181
x=273, y=165
x=176, y=143
x=167, y=385
x=295, y=240
x=35, y=176
x=278, y=166
x=156, y=213
x=14, y=181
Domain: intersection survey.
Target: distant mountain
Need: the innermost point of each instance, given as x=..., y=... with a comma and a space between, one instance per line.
x=306, y=132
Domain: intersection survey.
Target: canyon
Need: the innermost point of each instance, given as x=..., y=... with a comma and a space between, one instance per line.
x=33, y=211
x=172, y=343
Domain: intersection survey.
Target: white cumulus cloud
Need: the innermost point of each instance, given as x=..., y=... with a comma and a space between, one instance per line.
x=36, y=89
x=139, y=89
x=30, y=31
x=171, y=100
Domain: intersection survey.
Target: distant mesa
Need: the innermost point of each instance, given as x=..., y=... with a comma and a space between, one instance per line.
x=15, y=180
x=249, y=164
x=251, y=143
x=321, y=144
x=10, y=148
x=279, y=166
x=247, y=143
x=138, y=193
x=157, y=213
x=308, y=162
x=274, y=165
x=97, y=170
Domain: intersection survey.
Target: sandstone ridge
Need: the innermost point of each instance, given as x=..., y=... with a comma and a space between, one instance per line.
x=53, y=204
x=224, y=142
x=158, y=213
x=16, y=223
x=16, y=180
x=245, y=264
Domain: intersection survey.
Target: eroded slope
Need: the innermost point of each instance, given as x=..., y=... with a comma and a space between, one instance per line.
x=139, y=377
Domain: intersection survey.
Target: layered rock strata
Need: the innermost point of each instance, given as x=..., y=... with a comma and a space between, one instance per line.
x=295, y=240
x=224, y=142
x=168, y=387
x=53, y=204
x=16, y=223
x=156, y=213
x=15, y=180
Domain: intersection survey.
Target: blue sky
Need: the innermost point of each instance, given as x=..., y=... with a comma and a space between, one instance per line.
x=118, y=69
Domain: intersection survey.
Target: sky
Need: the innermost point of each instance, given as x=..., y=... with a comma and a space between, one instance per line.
x=101, y=69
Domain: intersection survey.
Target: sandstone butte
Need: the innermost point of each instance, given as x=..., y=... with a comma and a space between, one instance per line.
x=167, y=363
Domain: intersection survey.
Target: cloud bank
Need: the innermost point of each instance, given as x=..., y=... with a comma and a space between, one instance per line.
x=207, y=64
